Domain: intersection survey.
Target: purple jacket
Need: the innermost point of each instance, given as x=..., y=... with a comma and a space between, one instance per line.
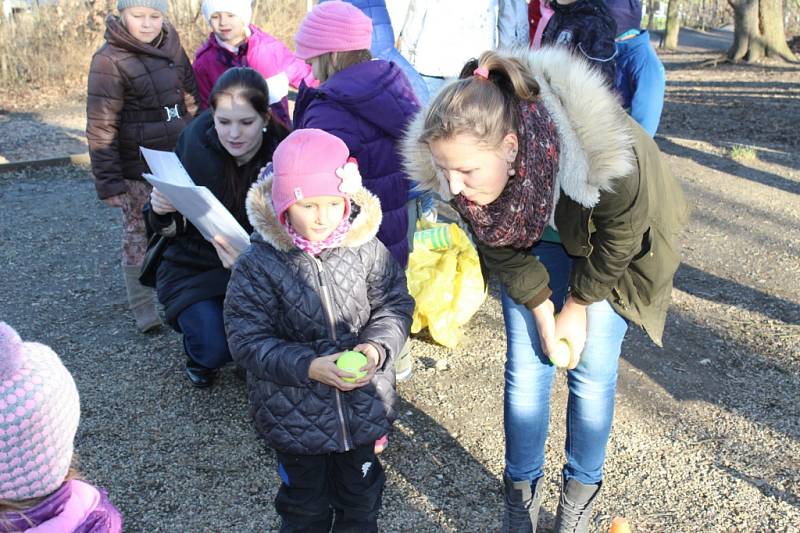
x=368, y=106
x=76, y=507
x=262, y=52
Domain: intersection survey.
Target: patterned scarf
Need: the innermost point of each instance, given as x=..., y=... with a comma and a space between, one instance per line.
x=315, y=247
x=517, y=218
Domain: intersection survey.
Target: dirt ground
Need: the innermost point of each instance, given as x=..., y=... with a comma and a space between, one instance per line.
x=707, y=429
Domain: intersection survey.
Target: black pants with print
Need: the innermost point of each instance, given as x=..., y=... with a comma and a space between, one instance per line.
x=343, y=488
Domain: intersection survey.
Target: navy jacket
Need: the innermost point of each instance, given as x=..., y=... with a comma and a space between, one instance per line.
x=368, y=106
x=587, y=28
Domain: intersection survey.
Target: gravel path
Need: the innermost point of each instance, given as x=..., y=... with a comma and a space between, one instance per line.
x=707, y=430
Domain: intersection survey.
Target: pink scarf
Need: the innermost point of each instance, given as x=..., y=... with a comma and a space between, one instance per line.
x=315, y=247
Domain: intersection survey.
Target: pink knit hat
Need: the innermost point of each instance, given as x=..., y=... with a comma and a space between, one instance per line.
x=333, y=27
x=311, y=162
x=39, y=414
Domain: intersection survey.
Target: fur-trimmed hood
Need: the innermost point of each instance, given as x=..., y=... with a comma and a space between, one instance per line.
x=267, y=226
x=594, y=133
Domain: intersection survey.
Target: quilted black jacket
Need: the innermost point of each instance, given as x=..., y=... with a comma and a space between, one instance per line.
x=276, y=323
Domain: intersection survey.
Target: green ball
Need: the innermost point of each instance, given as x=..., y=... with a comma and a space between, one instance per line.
x=562, y=354
x=351, y=361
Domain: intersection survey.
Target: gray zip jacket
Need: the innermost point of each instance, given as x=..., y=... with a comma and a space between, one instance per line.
x=285, y=307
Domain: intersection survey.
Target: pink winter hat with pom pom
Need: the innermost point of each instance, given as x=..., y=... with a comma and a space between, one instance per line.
x=311, y=162
x=39, y=414
x=333, y=27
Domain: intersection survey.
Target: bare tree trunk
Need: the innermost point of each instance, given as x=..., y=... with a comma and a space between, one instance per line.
x=673, y=25
x=747, y=42
x=758, y=31
x=651, y=20
x=772, y=31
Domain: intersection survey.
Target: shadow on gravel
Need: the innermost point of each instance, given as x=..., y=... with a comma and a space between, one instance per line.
x=728, y=165
x=711, y=287
x=698, y=365
x=26, y=136
x=444, y=478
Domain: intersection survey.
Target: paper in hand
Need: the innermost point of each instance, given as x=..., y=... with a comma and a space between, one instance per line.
x=278, y=87
x=197, y=204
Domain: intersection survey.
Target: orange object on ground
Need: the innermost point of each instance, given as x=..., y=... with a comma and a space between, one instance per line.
x=620, y=525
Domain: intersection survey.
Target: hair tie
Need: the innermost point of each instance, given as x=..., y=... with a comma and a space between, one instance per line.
x=481, y=72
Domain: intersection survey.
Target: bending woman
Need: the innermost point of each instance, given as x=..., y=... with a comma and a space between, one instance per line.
x=574, y=209
x=223, y=149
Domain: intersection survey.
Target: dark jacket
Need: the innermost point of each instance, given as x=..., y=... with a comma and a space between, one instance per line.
x=368, y=106
x=190, y=270
x=284, y=308
x=619, y=211
x=587, y=28
x=130, y=84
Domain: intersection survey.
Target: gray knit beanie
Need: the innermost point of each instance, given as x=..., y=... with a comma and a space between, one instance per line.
x=161, y=5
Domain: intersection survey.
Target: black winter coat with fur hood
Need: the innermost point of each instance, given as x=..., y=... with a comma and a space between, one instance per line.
x=285, y=307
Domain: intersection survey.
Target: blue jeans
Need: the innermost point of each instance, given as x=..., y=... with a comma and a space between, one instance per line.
x=204, y=333
x=529, y=378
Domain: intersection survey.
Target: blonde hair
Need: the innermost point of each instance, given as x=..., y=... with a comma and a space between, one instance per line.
x=332, y=62
x=483, y=108
x=20, y=506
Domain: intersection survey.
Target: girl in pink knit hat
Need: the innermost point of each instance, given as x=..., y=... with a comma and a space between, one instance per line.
x=316, y=283
x=39, y=407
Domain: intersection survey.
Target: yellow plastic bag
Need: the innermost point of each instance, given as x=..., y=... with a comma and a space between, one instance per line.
x=444, y=277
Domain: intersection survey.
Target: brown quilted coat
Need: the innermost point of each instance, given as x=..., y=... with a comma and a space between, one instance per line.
x=130, y=83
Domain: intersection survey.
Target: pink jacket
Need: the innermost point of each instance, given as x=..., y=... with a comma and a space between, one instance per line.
x=76, y=507
x=262, y=52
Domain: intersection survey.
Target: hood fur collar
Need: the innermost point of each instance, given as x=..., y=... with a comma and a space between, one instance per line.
x=265, y=221
x=593, y=129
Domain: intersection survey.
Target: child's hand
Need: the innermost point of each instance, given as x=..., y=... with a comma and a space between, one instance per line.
x=324, y=370
x=373, y=360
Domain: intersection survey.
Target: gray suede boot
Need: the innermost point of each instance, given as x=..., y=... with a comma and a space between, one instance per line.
x=575, y=506
x=141, y=300
x=523, y=499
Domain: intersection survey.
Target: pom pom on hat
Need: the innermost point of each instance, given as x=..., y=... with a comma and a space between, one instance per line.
x=311, y=162
x=160, y=5
x=240, y=8
x=10, y=351
x=40, y=411
x=333, y=27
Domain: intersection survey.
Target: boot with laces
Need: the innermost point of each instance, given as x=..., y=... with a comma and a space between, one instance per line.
x=522, y=499
x=575, y=506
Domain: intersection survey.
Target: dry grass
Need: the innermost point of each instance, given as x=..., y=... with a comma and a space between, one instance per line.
x=45, y=53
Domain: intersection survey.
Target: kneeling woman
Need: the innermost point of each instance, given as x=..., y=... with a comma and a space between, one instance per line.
x=224, y=150
x=572, y=205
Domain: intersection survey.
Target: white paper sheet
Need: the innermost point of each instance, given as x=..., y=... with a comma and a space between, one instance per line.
x=197, y=204
x=278, y=86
